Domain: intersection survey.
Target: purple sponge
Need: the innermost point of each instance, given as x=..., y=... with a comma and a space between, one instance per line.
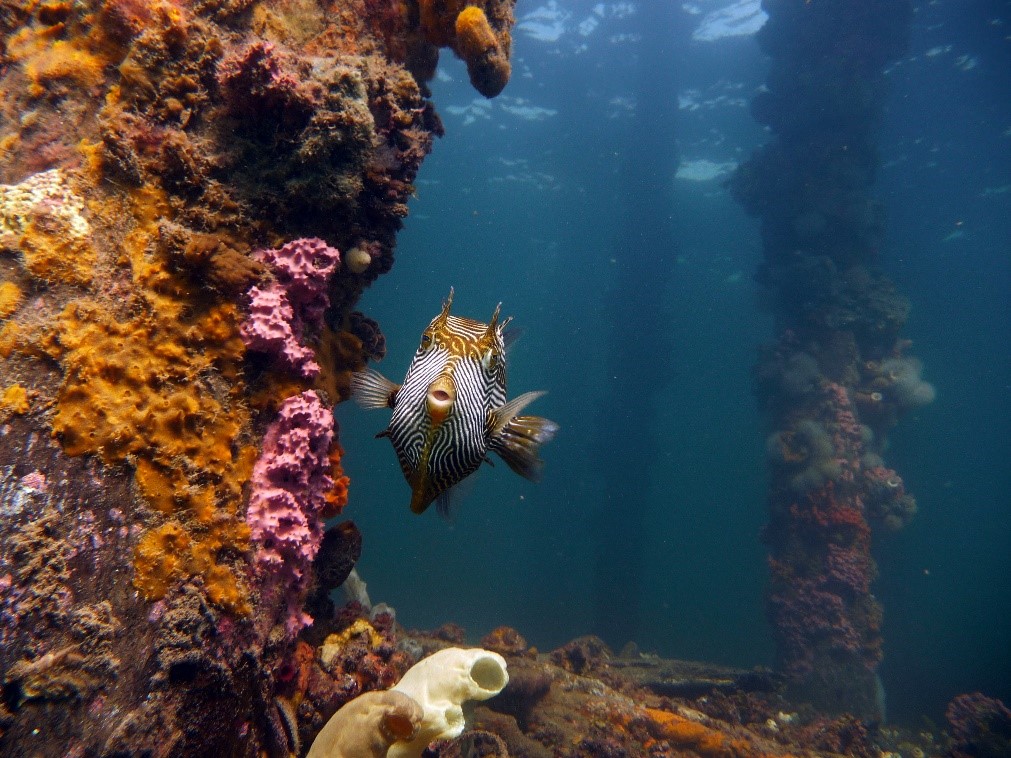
x=289, y=485
x=280, y=313
x=303, y=267
x=269, y=328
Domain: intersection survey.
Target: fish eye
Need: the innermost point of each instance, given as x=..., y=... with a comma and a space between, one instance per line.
x=490, y=360
x=426, y=339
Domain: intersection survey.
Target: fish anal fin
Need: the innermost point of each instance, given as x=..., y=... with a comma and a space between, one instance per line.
x=371, y=390
x=519, y=442
x=447, y=500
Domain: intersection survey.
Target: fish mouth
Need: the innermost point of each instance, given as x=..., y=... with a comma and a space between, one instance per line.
x=440, y=399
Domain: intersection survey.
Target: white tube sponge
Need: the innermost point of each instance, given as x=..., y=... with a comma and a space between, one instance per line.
x=366, y=726
x=441, y=684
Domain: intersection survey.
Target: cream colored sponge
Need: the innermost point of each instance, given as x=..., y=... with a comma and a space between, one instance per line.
x=441, y=684
x=366, y=726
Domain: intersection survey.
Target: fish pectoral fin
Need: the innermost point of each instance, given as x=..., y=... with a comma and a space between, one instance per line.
x=519, y=442
x=498, y=418
x=489, y=461
x=371, y=390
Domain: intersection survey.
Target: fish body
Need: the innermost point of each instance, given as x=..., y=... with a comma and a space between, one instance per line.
x=451, y=409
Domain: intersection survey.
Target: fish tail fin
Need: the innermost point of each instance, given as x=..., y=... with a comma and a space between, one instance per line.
x=371, y=390
x=519, y=442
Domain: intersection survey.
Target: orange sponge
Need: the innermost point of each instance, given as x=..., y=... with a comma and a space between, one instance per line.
x=10, y=298
x=487, y=61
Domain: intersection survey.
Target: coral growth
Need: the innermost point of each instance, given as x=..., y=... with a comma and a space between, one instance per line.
x=824, y=615
x=838, y=378
x=361, y=656
x=129, y=393
x=42, y=218
x=980, y=726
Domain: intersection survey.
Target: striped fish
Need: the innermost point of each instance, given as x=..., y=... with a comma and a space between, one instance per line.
x=451, y=409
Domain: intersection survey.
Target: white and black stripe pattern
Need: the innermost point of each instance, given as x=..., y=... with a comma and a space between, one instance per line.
x=410, y=424
x=458, y=349
x=459, y=444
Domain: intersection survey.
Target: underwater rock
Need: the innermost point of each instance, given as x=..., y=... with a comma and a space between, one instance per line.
x=980, y=726
x=583, y=654
x=691, y=678
x=504, y=640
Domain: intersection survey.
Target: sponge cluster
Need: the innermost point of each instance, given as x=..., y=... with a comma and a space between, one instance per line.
x=290, y=482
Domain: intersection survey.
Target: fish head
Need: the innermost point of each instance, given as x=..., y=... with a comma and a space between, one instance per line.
x=465, y=345
x=439, y=425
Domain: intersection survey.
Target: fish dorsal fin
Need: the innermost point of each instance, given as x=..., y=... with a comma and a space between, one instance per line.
x=446, y=306
x=489, y=331
x=371, y=390
x=502, y=415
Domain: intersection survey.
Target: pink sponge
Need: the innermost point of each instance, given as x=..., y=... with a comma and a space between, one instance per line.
x=303, y=266
x=290, y=481
x=280, y=314
x=269, y=328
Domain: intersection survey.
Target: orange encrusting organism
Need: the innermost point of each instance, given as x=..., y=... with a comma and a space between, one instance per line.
x=49, y=61
x=10, y=299
x=337, y=497
x=10, y=339
x=474, y=36
x=159, y=559
x=687, y=734
x=139, y=387
x=13, y=402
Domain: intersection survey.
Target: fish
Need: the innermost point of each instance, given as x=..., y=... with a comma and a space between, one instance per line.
x=451, y=409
